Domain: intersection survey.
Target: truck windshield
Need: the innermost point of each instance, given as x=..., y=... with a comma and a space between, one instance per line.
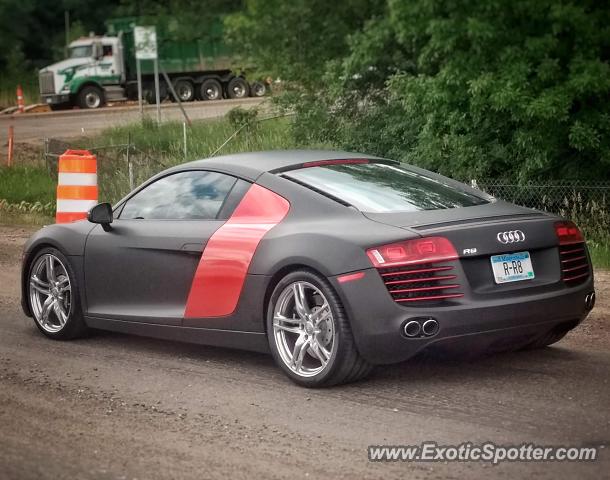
x=81, y=51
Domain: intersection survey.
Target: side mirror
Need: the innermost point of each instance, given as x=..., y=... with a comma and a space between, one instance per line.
x=102, y=214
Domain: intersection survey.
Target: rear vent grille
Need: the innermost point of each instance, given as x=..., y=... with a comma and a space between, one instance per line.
x=574, y=263
x=426, y=282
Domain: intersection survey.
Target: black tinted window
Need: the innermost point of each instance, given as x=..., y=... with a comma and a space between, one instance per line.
x=378, y=187
x=182, y=196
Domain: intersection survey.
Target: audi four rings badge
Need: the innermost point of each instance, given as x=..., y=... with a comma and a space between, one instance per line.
x=512, y=236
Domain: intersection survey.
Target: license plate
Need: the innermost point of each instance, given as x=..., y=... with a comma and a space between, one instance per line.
x=512, y=267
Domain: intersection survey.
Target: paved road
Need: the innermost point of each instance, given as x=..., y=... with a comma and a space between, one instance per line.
x=33, y=127
x=114, y=406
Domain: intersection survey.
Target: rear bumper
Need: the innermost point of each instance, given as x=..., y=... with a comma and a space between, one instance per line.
x=377, y=320
x=55, y=99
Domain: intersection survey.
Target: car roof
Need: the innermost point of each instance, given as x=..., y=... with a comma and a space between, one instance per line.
x=252, y=165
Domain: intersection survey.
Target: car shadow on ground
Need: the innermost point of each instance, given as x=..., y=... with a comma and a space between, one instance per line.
x=425, y=368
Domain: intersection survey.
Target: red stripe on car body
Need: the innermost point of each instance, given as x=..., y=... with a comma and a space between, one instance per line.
x=225, y=261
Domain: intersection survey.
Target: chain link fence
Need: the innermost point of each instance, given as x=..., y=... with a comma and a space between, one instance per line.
x=587, y=202
x=121, y=167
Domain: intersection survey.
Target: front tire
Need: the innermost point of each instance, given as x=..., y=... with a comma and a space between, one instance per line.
x=91, y=97
x=53, y=296
x=309, y=334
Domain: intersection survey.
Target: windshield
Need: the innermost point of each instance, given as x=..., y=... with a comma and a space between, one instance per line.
x=379, y=187
x=81, y=51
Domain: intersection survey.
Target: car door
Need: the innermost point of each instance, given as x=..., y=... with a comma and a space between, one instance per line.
x=143, y=267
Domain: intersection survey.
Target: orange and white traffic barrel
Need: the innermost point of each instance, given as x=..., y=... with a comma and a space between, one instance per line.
x=20, y=103
x=76, y=185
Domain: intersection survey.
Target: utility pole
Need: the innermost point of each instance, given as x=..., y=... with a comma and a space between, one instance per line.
x=67, y=28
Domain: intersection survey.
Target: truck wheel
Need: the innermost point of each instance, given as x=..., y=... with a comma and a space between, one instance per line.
x=238, y=88
x=257, y=89
x=210, y=89
x=185, y=90
x=91, y=97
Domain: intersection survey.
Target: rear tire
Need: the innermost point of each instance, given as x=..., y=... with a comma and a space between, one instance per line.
x=91, y=97
x=258, y=89
x=210, y=89
x=53, y=296
x=185, y=91
x=309, y=334
x=238, y=88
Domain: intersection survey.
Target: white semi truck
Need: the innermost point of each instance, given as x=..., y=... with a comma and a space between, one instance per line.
x=101, y=69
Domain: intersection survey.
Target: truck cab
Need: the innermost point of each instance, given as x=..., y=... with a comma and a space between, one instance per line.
x=93, y=66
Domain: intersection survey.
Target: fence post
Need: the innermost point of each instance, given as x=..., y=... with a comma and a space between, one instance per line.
x=11, y=135
x=129, y=164
x=184, y=137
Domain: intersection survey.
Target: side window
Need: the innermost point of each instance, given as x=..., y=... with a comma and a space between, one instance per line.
x=107, y=50
x=193, y=195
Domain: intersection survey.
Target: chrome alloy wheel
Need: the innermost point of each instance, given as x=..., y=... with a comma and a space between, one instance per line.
x=303, y=329
x=50, y=293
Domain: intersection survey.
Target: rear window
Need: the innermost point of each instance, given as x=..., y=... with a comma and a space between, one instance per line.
x=379, y=187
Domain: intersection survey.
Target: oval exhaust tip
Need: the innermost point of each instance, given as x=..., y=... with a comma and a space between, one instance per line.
x=430, y=327
x=412, y=328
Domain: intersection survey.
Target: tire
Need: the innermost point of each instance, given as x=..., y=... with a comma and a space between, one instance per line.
x=91, y=97
x=185, y=91
x=238, y=88
x=258, y=89
x=148, y=94
x=64, y=317
x=328, y=354
x=210, y=89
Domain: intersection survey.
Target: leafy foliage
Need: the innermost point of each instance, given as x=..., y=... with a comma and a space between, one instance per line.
x=467, y=88
x=293, y=39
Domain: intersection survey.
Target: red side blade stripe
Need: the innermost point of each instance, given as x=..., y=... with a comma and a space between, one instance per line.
x=222, y=270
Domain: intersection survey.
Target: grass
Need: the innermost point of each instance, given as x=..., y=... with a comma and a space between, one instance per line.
x=8, y=91
x=600, y=253
x=26, y=184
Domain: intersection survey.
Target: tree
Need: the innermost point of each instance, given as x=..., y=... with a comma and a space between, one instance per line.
x=294, y=39
x=472, y=88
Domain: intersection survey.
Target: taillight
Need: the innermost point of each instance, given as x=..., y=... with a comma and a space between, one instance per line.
x=568, y=233
x=411, y=252
x=572, y=253
x=418, y=270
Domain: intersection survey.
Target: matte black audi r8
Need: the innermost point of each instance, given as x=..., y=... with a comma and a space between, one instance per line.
x=331, y=261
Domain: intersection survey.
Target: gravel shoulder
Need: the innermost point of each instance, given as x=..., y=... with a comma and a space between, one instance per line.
x=116, y=406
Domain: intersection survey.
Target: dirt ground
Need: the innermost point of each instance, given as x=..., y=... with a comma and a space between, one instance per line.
x=121, y=407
